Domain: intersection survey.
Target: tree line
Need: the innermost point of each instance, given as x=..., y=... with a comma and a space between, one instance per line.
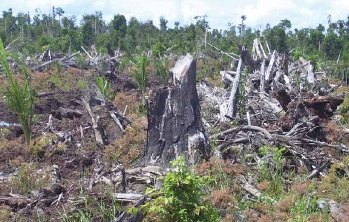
x=65, y=34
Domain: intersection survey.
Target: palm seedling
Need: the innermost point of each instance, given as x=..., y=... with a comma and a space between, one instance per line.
x=19, y=97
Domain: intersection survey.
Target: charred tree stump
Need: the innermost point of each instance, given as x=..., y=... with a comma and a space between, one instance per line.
x=174, y=121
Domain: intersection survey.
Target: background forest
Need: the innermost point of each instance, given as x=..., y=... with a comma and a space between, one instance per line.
x=66, y=34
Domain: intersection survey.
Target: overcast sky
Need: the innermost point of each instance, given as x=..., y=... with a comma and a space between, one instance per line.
x=302, y=13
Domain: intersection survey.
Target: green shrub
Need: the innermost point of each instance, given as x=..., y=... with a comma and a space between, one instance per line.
x=19, y=97
x=181, y=197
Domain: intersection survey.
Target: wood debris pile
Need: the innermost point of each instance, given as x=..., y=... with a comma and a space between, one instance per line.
x=285, y=103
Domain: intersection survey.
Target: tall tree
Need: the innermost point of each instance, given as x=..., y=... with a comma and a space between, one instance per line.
x=163, y=23
x=59, y=12
x=87, y=34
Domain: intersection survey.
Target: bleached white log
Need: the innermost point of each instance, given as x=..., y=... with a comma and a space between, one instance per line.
x=270, y=67
x=262, y=77
x=234, y=92
x=310, y=74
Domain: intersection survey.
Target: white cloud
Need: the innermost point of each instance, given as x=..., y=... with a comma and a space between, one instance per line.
x=302, y=13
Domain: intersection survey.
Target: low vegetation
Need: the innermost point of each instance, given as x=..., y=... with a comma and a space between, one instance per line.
x=29, y=179
x=139, y=71
x=20, y=98
x=181, y=197
x=104, y=87
x=93, y=209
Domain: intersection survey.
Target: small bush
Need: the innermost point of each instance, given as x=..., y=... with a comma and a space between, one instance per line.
x=181, y=197
x=221, y=198
x=82, y=84
x=40, y=144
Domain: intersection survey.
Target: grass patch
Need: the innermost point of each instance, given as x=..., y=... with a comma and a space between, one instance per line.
x=335, y=184
x=29, y=178
x=128, y=148
x=93, y=209
x=270, y=170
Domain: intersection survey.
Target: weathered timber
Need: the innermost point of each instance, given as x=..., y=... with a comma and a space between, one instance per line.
x=174, y=121
x=234, y=92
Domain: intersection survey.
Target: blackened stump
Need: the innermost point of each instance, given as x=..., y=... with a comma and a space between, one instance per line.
x=174, y=121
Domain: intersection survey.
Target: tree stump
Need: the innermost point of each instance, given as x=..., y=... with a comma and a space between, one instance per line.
x=174, y=121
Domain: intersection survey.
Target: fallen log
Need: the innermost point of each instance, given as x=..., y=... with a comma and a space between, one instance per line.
x=239, y=128
x=128, y=197
x=61, y=60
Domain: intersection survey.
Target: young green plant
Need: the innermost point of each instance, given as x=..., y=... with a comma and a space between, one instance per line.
x=20, y=98
x=104, y=87
x=181, y=197
x=140, y=71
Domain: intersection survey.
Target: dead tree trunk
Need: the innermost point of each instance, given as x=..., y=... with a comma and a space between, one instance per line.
x=234, y=92
x=174, y=121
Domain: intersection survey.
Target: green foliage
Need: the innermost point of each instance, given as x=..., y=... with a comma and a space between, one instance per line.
x=119, y=24
x=140, y=71
x=105, y=88
x=343, y=110
x=271, y=169
x=87, y=34
x=181, y=197
x=303, y=208
x=158, y=50
x=277, y=39
x=82, y=84
x=44, y=30
x=19, y=97
x=162, y=67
